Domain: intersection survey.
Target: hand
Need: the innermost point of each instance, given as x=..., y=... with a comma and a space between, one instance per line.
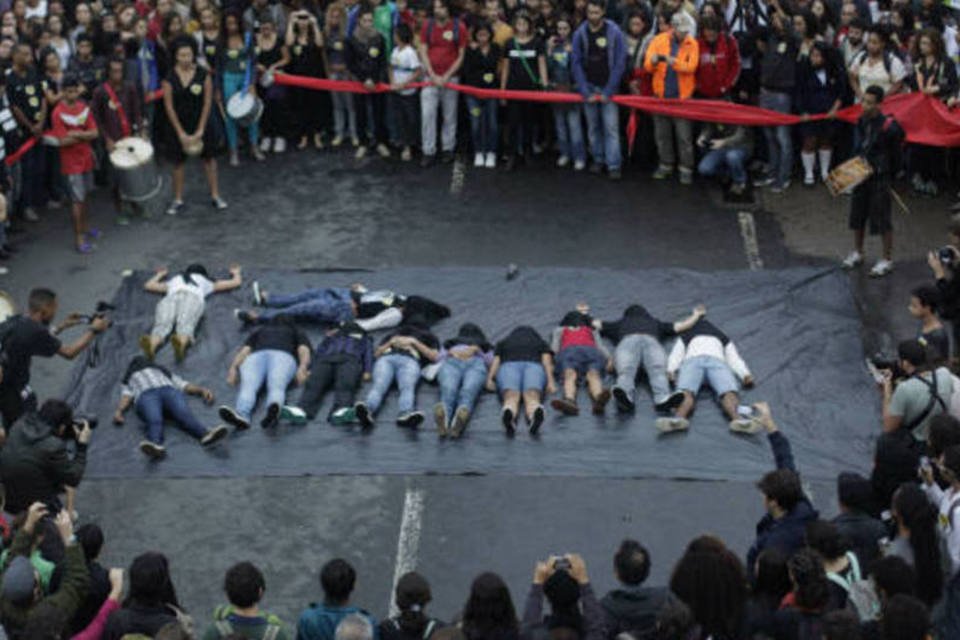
x=747, y=381
x=302, y=374
x=716, y=144
x=369, y=84
x=118, y=418
x=72, y=320
x=886, y=381
x=183, y=138
x=367, y=377
x=37, y=130
x=207, y=395
x=926, y=474
x=435, y=79
x=35, y=514
x=578, y=568
x=490, y=385
x=84, y=433
x=116, y=584
x=551, y=387
x=933, y=261
x=597, y=324
x=232, y=377
x=64, y=526
x=100, y=324
x=542, y=571
x=161, y=272
x=764, y=417
x=700, y=310
x=235, y=270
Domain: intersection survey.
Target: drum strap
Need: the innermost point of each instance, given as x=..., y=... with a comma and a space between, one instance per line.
x=251, y=61
x=121, y=114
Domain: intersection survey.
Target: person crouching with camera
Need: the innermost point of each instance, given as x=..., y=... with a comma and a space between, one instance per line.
x=574, y=607
x=37, y=465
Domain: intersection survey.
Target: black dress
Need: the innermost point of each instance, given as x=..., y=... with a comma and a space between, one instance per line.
x=275, y=121
x=188, y=105
x=311, y=109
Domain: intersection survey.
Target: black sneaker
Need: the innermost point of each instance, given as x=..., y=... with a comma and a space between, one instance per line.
x=509, y=421
x=231, y=417
x=446, y=157
x=153, y=450
x=214, y=435
x=272, y=418
x=243, y=316
x=537, y=421
x=615, y=175
x=428, y=161
x=363, y=415
x=673, y=401
x=410, y=420
x=624, y=403
x=596, y=168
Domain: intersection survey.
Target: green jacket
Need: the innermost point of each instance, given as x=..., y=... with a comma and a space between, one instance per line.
x=69, y=597
x=226, y=622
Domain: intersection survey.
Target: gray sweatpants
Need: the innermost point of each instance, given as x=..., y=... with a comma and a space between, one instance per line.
x=663, y=130
x=638, y=350
x=182, y=310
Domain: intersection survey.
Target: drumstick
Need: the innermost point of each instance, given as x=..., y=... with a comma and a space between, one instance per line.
x=899, y=201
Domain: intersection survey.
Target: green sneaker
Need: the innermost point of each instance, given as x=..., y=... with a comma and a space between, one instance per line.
x=122, y=220
x=343, y=416
x=293, y=415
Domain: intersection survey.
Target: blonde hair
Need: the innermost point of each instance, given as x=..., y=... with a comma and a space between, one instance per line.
x=328, y=21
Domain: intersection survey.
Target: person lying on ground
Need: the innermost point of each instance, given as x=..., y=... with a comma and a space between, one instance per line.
x=521, y=369
x=401, y=356
x=705, y=352
x=156, y=393
x=580, y=356
x=465, y=359
x=274, y=354
x=340, y=362
x=182, y=306
x=637, y=337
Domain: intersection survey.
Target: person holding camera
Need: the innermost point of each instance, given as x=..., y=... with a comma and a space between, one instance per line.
x=24, y=336
x=574, y=608
x=922, y=393
x=943, y=265
x=35, y=464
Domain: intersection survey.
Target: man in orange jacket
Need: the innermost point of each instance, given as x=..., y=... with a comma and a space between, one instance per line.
x=672, y=58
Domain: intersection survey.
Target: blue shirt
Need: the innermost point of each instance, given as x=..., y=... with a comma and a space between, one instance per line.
x=319, y=621
x=361, y=348
x=671, y=88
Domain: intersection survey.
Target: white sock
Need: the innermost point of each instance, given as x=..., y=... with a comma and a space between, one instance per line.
x=825, y=155
x=809, y=159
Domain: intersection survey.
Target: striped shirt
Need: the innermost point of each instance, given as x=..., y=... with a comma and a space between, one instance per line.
x=150, y=378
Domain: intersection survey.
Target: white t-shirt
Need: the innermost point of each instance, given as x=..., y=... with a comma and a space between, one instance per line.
x=871, y=72
x=39, y=11
x=200, y=286
x=404, y=62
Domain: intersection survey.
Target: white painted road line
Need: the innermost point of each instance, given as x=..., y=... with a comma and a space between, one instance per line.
x=408, y=544
x=458, y=176
x=748, y=231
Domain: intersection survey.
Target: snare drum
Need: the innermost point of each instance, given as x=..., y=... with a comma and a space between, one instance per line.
x=848, y=176
x=244, y=108
x=194, y=148
x=7, y=306
x=135, y=168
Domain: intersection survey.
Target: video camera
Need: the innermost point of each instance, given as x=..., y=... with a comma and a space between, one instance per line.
x=77, y=425
x=947, y=255
x=880, y=362
x=100, y=311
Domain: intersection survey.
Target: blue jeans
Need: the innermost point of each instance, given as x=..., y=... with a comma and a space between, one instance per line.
x=153, y=404
x=719, y=162
x=483, y=124
x=521, y=376
x=232, y=83
x=461, y=382
x=779, y=140
x=317, y=305
x=718, y=373
x=406, y=370
x=272, y=366
x=603, y=131
x=566, y=120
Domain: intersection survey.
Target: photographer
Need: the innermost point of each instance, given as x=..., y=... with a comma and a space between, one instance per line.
x=943, y=263
x=920, y=396
x=25, y=336
x=35, y=465
x=574, y=609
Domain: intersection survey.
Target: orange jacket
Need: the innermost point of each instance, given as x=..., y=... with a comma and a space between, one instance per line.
x=688, y=55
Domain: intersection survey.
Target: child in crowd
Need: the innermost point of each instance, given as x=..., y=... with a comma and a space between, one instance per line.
x=566, y=117
x=405, y=68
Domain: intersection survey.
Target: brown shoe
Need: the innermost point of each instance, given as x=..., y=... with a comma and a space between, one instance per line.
x=600, y=402
x=565, y=406
x=146, y=345
x=179, y=348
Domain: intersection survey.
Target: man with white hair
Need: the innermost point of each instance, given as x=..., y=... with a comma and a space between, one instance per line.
x=672, y=58
x=354, y=627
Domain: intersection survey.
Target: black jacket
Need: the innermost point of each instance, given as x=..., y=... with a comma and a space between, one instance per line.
x=136, y=619
x=632, y=611
x=863, y=532
x=35, y=464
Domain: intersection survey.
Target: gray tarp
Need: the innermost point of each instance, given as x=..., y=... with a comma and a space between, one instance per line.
x=797, y=329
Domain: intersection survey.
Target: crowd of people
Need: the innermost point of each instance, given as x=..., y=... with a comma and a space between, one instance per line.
x=167, y=71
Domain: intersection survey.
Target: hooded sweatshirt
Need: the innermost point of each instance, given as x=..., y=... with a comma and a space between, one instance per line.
x=705, y=339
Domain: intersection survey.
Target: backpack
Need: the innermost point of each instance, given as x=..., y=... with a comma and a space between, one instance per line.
x=861, y=595
x=225, y=629
x=934, y=399
x=456, y=30
x=887, y=60
x=427, y=630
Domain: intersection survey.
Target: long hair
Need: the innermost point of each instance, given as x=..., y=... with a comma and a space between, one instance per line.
x=773, y=578
x=919, y=516
x=412, y=596
x=150, y=583
x=811, y=587
x=936, y=42
x=329, y=23
x=712, y=582
x=489, y=611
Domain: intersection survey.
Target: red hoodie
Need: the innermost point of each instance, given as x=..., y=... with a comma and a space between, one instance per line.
x=719, y=66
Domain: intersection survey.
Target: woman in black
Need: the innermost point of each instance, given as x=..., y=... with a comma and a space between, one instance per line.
x=188, y=102
x=522, y=366
x=935, y=75
x=208, y=37
x=151, y=604
x=272, y=54
x=367, y=60
x=481, y=66
x=820, y=88
x=311, y=109
x=525, y=70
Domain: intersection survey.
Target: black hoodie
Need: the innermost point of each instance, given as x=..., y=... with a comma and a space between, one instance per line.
x=636, y=320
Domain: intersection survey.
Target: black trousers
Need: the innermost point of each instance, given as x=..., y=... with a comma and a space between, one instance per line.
x=13, y=405
x=342, y=372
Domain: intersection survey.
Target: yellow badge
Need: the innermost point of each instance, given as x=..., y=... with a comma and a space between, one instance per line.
x=34, y=102
x=256, y=50
x=448, y=36
x=196, y=89
x=210, y=50
x=782, y=48
x=559, y=57
x=488, y=78
x=601, y=42
x=232, y=54
x=374, y=52
x=475, y=112
x=338, y=46
x=297, y=49
x=243, y=65
x=112, y=105
x=29, y=89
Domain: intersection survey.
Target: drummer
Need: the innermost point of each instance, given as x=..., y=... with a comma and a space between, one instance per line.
x=117, y=110
x=73, y=124
x=188, y=102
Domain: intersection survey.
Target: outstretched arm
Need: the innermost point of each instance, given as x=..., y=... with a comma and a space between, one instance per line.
x=687, y=323
x=233, y=282
x=153, y=285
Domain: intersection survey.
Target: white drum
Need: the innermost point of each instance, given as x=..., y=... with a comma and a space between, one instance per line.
x=7, y=307
x=194, y=148
x=245, y=108
x=135, y=169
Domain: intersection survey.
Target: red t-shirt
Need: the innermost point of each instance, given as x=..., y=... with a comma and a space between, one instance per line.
x=442, y=50
x=579, y=337
x=75, y=158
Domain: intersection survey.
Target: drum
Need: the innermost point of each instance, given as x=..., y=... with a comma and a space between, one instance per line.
x=135, y=168
x=245, y=108
x=194, y=148
x=849, y=175
x=7, y=307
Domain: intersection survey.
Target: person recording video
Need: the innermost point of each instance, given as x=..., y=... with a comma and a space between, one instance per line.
x=24, y=336
x=943, y=263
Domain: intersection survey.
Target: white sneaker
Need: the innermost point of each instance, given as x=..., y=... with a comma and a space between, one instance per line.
x=491, y=160
x=808, y=181
x=478, y=159
x=30, y=215
x=336, y=142
x=882, y=268
x=745, y=425
x=666, y=425
x=234, y=159
x=406, y=155
x=852, y=260
x=361, y=153
x=280, y=145
x=265, y=144
x=383, y=150
x=562, y=162
x=579, y=165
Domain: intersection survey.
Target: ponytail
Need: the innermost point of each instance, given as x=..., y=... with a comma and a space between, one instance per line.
x=918, y=515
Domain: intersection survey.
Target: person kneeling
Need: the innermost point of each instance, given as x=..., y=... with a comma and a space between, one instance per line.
x=728, y=148
x=704, y=351
x=580, y=354
x=154, y=391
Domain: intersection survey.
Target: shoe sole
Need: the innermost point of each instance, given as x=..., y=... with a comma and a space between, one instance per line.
x=539, y=415
x=410, y=422
x=664, y=425
x=624, y=404
x=230, y=416
x=293, y=418
x=363, y=416
x=272, y=418
x=565, y=407
x=219, y=434
x=600, y=404
x=152, y=451
x=508, y=421
x=147, y=347
x=440, y=420
x=750, y=429
x=673, y=401
x=459, y=424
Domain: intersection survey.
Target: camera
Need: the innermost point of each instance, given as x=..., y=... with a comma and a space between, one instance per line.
x=561, y=562
x=77, y=425
x=100, y=311
x=947, y=255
